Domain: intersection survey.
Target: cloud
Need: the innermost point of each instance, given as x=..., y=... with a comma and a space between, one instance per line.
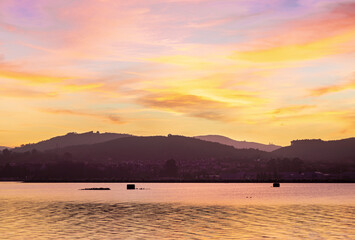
x=109, y=117
x=334, y=118
x=292, y=109
x=349, y=118
x=333, y=88
x=190, y=105
x=189, y=61
x=35, y=78
x=299, y=52
x=326, y=31
x=20, y=92
x=9, y=27
x=82, y=87
x=179, y=101
x=212, y=115
x=69, y=31
x=328, y=21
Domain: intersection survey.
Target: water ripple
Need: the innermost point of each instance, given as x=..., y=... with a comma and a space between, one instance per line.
x=76, y=220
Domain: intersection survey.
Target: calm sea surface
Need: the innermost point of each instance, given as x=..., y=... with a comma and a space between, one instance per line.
x=177, y=211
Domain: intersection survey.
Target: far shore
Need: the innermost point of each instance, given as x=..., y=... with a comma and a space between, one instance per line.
x=177, y=181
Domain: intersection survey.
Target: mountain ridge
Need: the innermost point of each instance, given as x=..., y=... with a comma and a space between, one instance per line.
x=159, y=148
x=319, y=150
x=70, y=139
x=238, y=144
x=73, y=138
x=190, y=147
x=158, y=158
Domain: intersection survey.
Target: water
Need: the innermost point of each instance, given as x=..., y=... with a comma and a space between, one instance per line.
x=177, y=211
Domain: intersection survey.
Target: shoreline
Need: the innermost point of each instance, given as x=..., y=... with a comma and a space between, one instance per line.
x=175, y=181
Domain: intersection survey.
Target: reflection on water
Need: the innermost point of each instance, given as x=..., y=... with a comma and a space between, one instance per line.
x=69, y=220
x=39, y=218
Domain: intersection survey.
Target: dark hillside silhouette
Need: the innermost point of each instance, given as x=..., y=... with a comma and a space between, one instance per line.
x=238, y=144
x=70, y=139
x=2, y=148
x=179, y=158
x=158, y=149
x=318, y=150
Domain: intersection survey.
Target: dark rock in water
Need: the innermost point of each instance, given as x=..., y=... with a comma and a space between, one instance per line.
x=131, y=186
x=276, y=184
x=96, y=189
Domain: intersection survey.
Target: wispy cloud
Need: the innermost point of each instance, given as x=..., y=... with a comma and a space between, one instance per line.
x=82, y=87
x=108, y=117
x=10, y=72
x=9, y=27
x=293, y=109
x=183, y=60
x=321, y=22
x=299, y=52
x=349, y=118
x=333, y=88
x=16, y=92
x=317, y=35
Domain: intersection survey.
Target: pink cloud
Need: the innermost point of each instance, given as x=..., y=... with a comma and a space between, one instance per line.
x=321, y=22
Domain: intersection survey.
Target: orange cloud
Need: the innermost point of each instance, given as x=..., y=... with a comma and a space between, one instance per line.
x=110, y=117
x=190, y=105
x=333, y=88
x=82, y=87
x=30, y=77
x=292, y=109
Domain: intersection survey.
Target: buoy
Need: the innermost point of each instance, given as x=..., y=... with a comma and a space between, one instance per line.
x=276, y=184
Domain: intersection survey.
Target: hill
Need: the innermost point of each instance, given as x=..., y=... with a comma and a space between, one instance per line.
x=2, y=148
x=238, y=144
x=179, y=158
x=70, y=139
x=159, y=148
x=319, y=150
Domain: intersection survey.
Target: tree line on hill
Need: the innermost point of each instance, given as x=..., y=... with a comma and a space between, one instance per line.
x=40, y=166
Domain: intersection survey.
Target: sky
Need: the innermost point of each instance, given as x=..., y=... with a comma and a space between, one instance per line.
x=267, y=71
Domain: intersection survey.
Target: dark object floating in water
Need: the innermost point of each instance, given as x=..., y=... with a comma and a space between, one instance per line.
x=101, y=188
x=131, y=186
x=276, y=184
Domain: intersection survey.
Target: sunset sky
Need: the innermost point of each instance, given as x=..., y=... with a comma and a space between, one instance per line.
x=264, y=71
